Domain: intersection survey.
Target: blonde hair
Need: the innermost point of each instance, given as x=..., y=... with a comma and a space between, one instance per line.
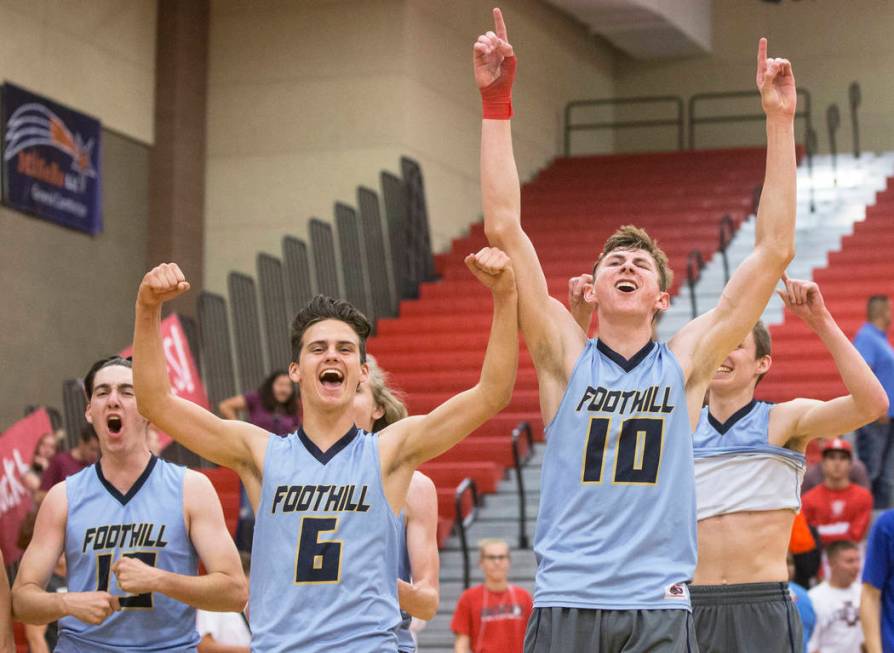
x=631, y=237
x=485, y=542
x=385, y=397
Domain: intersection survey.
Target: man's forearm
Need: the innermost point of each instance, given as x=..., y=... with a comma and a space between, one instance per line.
x=858, y=378
x=500, y=188
x=214, y=591
x=420, y=601
x=501, y=358
x=34, y=605
x=775, y=227
x=870, y=611
x=150, y=373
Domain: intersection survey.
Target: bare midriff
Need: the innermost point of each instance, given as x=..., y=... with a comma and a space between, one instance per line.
x=743, y=547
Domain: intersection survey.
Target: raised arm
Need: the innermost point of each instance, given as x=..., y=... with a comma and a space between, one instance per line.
x=804, y=419
x=551, y=334
x=30, y=600
x=581, y=310
x=411, y=441
x=222, y=588
x=234, y=444
x=703, y=343
x=421, y=596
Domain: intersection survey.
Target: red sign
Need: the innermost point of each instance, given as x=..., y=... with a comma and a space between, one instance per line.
x=183, y=374
x=17, y=445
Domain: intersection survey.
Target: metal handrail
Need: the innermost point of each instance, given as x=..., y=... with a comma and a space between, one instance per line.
x=833, y=122
x=462, y=523
x=694, y=264
x=810, y=146
x=855, y=96
x=625, y=124
x=727, y=228
x=805, y=111
x=520, y=460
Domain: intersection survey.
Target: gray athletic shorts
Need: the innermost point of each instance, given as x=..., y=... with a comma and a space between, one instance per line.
x=757, y=617
x=574, y=630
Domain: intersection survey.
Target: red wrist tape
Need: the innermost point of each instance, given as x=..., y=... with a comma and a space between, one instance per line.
x=496, y=98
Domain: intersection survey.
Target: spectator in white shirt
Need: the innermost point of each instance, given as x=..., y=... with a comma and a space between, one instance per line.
x=225, y=632
x=836, y=602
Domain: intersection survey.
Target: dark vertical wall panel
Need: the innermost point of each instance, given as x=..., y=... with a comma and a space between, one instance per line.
x=74, y=403
x=217, y=353
x=276, y=316
x=354, y=268
x=395, y=196
x=325, y=265
x=247, y=329
x=417, y=213
x=296, y=267
x=381, y=284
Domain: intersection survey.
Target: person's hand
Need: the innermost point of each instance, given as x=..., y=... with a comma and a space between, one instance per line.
x=90, y=607
x=804, y=299
x=494, y=63
x=162, y=284
x=492, y=268
x=135, y=576
x=776, y=83
x=581, y=310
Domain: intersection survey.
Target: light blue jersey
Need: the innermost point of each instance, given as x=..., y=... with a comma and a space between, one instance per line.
x=616, y=529
x=325, y=555
x=146, y=523
x=405, y=641
x=737, y=469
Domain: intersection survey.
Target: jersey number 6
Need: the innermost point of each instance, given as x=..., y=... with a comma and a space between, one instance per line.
x=317, y=561
x=103, y=569
x=637, y=453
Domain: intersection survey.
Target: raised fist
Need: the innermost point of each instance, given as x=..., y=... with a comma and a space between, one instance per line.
x=162, y=284
x=492, y=268
x=775, y=81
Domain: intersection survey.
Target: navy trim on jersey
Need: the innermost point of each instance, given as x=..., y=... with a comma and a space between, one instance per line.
x=325, y=456
x=735, y=417
x=131, y=493
x=623, y=363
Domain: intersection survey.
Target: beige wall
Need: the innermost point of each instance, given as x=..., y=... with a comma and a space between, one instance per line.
x=97, y=56
x=68, y=297
x=830, y=43
x=308, y=100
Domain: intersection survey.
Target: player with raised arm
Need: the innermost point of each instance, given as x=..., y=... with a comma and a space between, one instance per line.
x=377, y=406
x=324, y=560
x=749, y=465
x=133, y=529
x=616, y=534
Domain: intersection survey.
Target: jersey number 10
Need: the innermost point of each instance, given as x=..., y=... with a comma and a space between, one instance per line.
x=637, y=452
x=104, y=568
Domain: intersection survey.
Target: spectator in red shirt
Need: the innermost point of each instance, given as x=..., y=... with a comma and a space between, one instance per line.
x=492, y=617
x=839, y=509
x=66, y=463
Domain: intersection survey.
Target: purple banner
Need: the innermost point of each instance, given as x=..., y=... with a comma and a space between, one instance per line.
x=51, y=160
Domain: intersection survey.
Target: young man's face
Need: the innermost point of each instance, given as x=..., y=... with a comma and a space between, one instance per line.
x=112, y=410
x=740, y=369
x=626, y=283
x=495, y=562
x=836, y=465
x=329, y=369
x=845, y=566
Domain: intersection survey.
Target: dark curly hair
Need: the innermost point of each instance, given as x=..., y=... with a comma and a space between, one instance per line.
x=326, y=308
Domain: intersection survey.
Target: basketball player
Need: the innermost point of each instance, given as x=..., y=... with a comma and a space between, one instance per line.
x=616, y=533
x=133, y=528
x=376, y=406
x=327, y=500
x=749, y=465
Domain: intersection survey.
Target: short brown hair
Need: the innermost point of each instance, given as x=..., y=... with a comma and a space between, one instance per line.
x=326, y=308
x=833, y=549
x=762, y=344
x=631, y=237
x=875, y=306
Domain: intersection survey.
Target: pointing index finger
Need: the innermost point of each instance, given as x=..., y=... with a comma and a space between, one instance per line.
x=762, y=54
x=500, y=25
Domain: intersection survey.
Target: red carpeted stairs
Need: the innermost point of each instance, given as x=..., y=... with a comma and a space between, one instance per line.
x=435, y=348
x=864, y=266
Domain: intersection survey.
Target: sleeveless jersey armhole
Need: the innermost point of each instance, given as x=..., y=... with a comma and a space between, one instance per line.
x=679, y=368
x=396, y=519
x=585, y=354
